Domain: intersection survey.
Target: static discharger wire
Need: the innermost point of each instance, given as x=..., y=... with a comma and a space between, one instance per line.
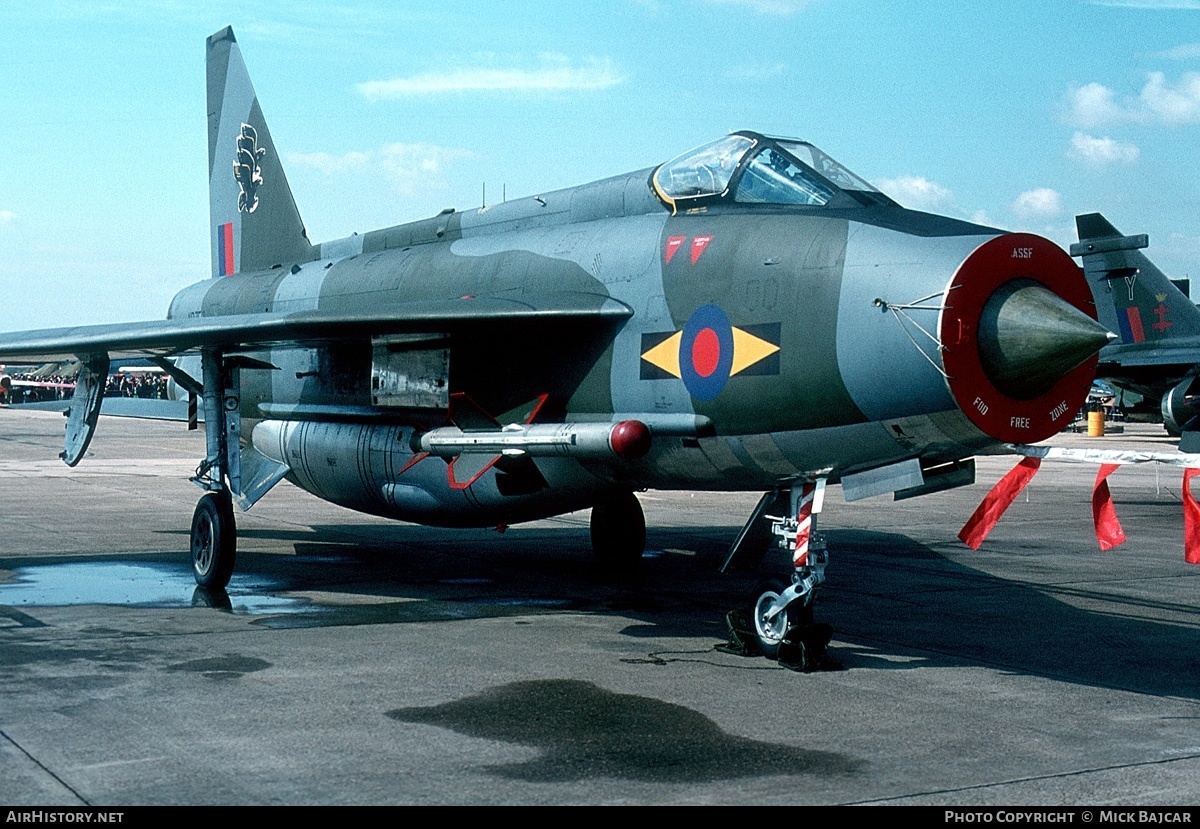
x=900, y=313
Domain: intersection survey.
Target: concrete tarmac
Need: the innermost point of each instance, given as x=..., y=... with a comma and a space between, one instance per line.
x=361, y=661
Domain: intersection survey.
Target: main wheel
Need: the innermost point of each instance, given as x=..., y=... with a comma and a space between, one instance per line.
x=214, y=540
x=619, y=532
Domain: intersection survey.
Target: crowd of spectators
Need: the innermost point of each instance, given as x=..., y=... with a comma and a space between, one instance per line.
x=146, y=385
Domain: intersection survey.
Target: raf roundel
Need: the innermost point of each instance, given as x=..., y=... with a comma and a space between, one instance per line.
x=706, y=352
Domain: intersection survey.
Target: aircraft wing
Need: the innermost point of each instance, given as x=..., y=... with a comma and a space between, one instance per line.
x=1182, y=356
x=474, y=317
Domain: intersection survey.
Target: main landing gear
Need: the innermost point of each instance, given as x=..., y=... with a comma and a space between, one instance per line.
x=779, y=624
x=214, y=540
x=619, y=532
x=214, y=530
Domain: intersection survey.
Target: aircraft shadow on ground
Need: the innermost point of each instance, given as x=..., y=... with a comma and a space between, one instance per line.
x=893, y=602
x=891, y=593
x=897, y=603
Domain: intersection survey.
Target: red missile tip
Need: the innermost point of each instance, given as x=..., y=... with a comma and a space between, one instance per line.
x=630, y=439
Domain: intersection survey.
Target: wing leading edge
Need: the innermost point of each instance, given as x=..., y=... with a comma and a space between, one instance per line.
x=472, y=317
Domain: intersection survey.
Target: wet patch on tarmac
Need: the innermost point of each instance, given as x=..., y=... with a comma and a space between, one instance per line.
x=230, y=666
x=407, y=612
x=586, y=731
x=134, y=585
x=14, y=654
x=278, y=604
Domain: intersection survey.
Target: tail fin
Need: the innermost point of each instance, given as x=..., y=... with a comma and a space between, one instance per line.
x=1133, y=296
x=254, y=220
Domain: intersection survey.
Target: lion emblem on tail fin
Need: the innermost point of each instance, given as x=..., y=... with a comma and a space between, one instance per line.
x=246, y=169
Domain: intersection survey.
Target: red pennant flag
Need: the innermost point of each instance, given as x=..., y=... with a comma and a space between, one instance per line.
x=1191, y=520
x=1104, y=514
x=997, y=501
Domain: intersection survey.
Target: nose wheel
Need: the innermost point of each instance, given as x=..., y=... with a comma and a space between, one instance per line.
x=770, y=627
x=784, y=630
x=214, y=540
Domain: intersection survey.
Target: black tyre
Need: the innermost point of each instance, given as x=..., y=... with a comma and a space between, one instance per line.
x=619, y=532
x=214, y=540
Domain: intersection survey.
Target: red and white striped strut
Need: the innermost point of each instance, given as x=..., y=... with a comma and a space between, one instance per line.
x=803, y=511
x=796, y=532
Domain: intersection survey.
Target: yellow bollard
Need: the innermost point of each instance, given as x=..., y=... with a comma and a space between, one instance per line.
x=1095, y=424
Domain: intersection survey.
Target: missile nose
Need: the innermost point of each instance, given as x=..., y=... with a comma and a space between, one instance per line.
x=1030, y=338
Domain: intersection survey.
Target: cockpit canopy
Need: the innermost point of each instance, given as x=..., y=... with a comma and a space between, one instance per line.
x=748, y=168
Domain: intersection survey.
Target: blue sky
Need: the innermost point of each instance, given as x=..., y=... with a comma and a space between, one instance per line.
x=1019, y=114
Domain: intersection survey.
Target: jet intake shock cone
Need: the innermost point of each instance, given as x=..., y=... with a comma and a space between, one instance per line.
x=1030, y=338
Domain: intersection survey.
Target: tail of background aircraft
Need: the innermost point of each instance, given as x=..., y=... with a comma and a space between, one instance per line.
x=1142, y=305
x=254, y=220
x=1158, y=355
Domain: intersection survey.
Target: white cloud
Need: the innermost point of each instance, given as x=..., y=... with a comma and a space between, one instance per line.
x=328, y=163
x=1094, y=104
x=980, y=217
x=7, y=217
x=1101, y=152
x=1041, y=203
x=409, y=167
x=556, y=73
x=1184, y=51
x=777, y=8
x=1173, y=105
x=1159, y=102
x=916, y=192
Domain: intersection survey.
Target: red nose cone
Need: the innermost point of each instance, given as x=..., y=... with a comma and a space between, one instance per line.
x=630, y=439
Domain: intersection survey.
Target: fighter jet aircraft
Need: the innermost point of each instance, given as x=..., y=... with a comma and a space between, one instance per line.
x=1158, y=354
x=750, y=315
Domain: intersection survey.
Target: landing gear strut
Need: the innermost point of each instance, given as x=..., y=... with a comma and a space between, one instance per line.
x=214, y=530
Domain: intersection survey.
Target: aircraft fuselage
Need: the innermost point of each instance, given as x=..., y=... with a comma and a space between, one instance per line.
x=784, y=365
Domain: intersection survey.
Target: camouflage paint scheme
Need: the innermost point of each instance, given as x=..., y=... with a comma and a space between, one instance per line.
x=1158, y=353
x=552, y=301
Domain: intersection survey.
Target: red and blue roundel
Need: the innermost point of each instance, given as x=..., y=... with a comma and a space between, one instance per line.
x=706, y=352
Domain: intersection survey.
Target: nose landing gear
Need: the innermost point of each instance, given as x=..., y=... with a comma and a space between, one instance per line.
x=780, y=624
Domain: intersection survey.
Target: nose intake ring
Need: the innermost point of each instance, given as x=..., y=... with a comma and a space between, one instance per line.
x=1019, y=338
